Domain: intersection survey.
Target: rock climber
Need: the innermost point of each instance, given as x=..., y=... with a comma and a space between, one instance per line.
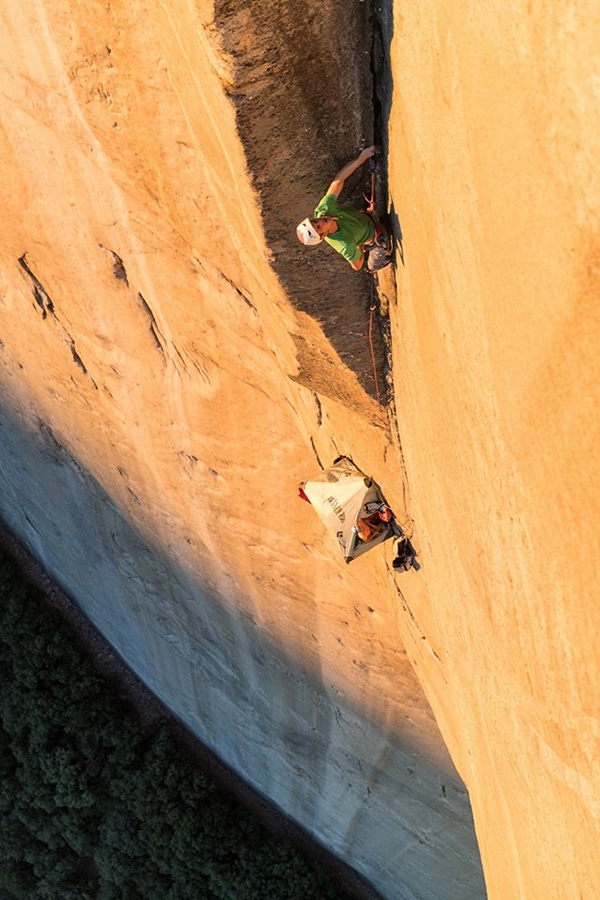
x=349, y=231
x=370, y=526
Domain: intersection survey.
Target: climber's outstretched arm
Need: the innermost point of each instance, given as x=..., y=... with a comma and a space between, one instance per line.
x=337, y=184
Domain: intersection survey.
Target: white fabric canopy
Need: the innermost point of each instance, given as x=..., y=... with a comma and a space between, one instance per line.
x=341, y=495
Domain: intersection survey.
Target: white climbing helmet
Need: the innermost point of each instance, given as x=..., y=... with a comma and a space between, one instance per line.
x=307, y=234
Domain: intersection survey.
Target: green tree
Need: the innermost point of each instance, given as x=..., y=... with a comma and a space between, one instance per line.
x=92, y=806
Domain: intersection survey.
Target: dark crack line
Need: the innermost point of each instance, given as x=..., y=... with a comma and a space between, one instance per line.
x=154, y=329
x=41, y=295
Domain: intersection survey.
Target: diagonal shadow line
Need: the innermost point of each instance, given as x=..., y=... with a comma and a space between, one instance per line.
x=313, y=749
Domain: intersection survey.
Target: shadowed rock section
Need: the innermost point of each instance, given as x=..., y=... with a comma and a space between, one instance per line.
x=278, y=722
x=156, y=423
x=303, y=93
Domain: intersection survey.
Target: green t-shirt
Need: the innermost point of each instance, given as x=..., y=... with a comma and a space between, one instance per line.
x=354, y=227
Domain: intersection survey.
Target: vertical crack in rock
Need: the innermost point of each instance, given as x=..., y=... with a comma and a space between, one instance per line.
x=181, y=360
x=41, y=295
x=54, y=449
x=382, y=103
x=119, y=269
x=298, y=129
x=240, y=293
x=154, y=329
x=46, y=304
x=315, y=451
x=77, y=359
x=319, y=408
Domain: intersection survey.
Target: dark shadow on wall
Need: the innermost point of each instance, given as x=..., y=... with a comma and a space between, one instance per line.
x=153, y=712
x=234, y=687
x=383, y=87
x=303, y=95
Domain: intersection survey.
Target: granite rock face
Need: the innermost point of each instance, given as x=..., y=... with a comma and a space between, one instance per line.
x=173, y=364
x=494, y=139
x=165, y=387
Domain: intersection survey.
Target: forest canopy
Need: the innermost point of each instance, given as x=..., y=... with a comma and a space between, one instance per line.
x=92, y=805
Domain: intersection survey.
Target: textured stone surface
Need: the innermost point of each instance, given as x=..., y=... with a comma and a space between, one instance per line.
x=160, y=406
x=495, y=139
x=164, y=387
